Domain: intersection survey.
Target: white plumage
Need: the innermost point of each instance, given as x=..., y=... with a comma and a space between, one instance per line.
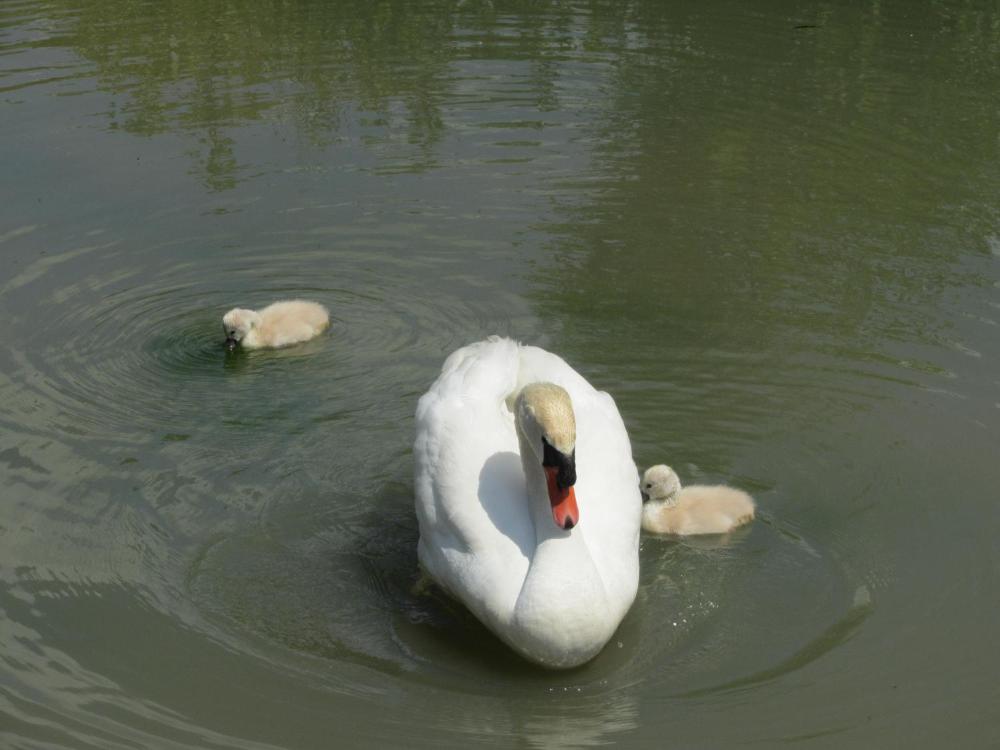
x=487, y=531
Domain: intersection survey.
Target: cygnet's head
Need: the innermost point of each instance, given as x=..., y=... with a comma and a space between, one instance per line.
x=237, y=324
x=660, y=482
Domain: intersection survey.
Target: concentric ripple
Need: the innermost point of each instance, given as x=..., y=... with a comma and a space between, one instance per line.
x=125, y=342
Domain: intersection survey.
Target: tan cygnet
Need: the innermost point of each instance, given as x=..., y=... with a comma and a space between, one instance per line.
x=279, y=324
x=698, y=509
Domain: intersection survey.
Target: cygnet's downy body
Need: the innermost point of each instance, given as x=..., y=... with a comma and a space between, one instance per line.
x=687, y=511
x=279, y=324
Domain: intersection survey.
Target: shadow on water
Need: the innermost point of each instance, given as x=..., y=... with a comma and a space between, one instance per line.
x=234, y=360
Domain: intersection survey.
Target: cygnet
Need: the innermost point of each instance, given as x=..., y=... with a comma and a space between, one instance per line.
x=698, y=509
x=279, y=324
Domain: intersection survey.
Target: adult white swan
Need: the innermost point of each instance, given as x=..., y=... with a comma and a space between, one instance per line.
x=528, y=500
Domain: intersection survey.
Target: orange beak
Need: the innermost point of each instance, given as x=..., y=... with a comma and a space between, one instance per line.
x=563, y=501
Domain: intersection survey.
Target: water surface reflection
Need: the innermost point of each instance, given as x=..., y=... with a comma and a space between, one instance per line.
x=770, y=233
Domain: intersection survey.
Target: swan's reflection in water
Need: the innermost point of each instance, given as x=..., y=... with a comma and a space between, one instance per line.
x=573, y=721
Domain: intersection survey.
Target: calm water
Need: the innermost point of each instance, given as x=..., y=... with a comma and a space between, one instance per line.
x=773, y=234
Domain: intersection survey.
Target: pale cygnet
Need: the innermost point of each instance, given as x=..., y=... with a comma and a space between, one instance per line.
x=279, y=324
x=698, y=509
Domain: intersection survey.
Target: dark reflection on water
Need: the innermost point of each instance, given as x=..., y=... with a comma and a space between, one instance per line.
x=771, y=233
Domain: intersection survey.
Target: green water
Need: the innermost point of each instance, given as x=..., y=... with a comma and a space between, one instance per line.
x=771, y=231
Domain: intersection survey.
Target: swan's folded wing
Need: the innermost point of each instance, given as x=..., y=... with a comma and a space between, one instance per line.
x=608, y=491
x=472, y=540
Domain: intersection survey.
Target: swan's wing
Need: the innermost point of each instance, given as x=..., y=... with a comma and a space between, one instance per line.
x=608, y=490
x=607, y=486
x=475, y=530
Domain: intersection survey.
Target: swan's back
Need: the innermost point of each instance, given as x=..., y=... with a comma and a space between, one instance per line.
x=291, y=321
x=716, y=507
x=701, y=509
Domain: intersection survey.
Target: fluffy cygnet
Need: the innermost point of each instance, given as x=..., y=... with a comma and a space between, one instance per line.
x=278, y=324
x=698, y=509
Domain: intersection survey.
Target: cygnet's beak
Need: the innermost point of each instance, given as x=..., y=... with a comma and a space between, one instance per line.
x=231, y=344
x=645, y=495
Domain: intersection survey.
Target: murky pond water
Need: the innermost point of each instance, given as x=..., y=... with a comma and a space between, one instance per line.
x=772, y=234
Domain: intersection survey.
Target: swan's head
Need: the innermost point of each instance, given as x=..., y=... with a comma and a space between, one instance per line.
x=659, y=483
x=544, y=415
x=237, y=324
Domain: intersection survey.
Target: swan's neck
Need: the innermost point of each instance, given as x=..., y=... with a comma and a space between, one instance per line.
x=562, y=614
x=538, y=500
